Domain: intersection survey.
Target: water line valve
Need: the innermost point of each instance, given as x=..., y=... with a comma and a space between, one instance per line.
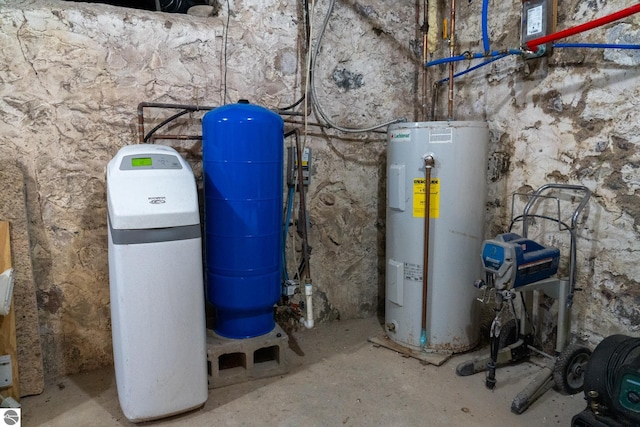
x=392, y=326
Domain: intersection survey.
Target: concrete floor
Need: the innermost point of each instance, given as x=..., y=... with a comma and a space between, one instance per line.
x=341, y=380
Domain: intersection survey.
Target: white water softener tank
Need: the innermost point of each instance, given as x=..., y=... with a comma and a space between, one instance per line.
x=456, y=232
x=156, y=284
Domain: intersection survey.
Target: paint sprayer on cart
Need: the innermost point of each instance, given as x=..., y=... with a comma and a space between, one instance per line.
x=516, y=265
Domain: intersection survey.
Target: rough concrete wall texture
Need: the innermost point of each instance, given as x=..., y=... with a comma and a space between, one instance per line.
x=571, y=118
x=364, y=75
x=72, y=76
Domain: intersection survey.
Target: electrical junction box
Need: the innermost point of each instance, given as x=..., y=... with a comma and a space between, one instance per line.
x=538, y=19
x=292, y=166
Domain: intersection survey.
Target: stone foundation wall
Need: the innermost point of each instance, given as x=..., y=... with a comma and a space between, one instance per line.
x=73, y=75
x=571, y=118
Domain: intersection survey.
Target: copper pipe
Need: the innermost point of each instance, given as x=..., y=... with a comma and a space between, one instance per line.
x=325, y=126
x=164, y=122
x=452, y=41
x=143, y=105
x=434, y=101
x=142, y=138
x=182, y=137
x=429, y=162
x=140, y=125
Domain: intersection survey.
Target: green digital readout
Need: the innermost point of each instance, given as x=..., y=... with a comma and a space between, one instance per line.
x=141, y=161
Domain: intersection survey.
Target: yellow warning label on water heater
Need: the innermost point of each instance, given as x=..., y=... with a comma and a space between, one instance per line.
x=419, y=191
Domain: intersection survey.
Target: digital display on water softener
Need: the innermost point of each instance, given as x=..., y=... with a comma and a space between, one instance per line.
x=141, y=161
x=149, y=161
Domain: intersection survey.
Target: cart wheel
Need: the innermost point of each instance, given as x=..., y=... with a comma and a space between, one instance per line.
x=569, y=369
x=508, y=334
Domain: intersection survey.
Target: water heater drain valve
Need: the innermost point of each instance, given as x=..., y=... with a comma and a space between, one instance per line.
x=392, y=326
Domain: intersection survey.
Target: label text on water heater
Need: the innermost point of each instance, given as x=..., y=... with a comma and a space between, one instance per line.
x=401, y=136
x=419, y=199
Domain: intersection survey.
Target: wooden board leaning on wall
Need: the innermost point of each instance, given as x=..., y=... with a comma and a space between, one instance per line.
x=8, y=344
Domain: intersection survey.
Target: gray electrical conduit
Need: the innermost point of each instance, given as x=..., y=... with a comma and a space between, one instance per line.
x=314, y=95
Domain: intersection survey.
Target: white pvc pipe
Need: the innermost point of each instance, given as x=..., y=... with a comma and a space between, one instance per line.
x=308, y=293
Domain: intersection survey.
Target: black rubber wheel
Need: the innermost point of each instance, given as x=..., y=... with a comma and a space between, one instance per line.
x=508, y=334
x=596, y=378
x=569, y=369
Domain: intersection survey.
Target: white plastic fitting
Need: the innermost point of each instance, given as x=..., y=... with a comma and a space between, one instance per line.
x=308, y=293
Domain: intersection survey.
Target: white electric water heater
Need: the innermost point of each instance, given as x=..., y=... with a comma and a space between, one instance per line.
x=456, y=217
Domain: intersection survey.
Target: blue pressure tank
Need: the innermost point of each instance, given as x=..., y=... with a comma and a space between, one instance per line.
x=242, y=155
